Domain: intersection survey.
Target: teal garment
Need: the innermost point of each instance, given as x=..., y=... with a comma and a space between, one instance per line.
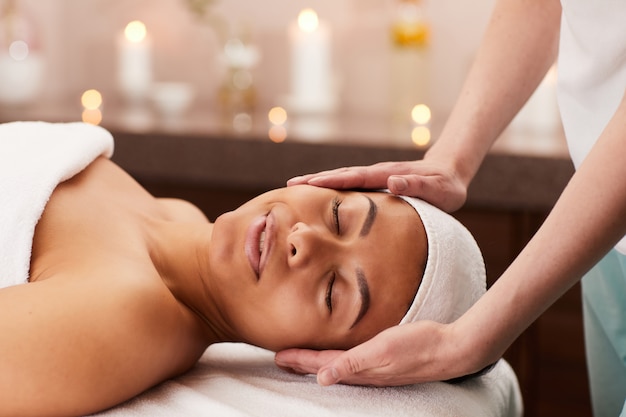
x=604, y=310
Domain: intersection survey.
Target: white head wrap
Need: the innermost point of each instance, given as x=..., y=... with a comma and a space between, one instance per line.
x=454, y=277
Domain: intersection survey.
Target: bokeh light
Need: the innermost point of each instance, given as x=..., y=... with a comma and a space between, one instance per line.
x=421, y=114
x=92, y=116
x=91, y=99
x=277, y=133
x=277, y=116
x=18, y=50
x=242, y=122
x=420, y=135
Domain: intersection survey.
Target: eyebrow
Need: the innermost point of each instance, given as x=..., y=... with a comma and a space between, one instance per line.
x=364, y=291
x=369, y=219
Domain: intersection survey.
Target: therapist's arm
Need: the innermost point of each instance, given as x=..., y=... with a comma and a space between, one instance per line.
x=587, y=220
x=519, y=46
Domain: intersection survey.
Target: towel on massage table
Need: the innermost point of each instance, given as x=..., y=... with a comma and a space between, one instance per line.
x=236, y=380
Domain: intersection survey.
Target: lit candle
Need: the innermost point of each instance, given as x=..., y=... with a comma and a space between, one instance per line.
x=311, y=73
x=135, y=61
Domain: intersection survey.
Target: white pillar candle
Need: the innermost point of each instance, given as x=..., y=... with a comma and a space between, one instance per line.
x=311, y=70
x=135, y=61
x=541, y=112
x=21, y=73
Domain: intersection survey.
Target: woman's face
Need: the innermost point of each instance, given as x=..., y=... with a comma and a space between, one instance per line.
x=312, y=267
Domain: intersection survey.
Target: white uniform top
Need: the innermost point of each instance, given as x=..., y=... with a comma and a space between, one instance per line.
x=592, y=72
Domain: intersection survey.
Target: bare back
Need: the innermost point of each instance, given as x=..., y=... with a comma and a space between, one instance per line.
x=96, y=323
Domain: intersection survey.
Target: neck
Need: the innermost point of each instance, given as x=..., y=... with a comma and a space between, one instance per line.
x=180, y=253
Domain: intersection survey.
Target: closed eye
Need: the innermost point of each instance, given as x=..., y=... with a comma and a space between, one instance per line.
x=336, y=204
x=329, y=293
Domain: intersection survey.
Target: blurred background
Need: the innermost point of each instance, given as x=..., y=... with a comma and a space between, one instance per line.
x=78, y=42
x=216, y=101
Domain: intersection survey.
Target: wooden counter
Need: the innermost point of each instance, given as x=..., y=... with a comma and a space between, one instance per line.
x=522, y=172
x=218, y=166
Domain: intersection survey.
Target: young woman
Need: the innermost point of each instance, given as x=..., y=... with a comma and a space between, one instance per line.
x=106, y=291
x=126, y=290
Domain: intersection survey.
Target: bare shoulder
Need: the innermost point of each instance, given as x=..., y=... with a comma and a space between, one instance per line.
x=181, y=210
x=112, y=339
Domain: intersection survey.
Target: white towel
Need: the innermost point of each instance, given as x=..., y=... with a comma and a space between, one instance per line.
x=454, y=277
x=236, y=380
x=34, y=158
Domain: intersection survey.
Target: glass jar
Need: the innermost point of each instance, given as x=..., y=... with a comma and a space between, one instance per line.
x=410, y=66
x=21, y=58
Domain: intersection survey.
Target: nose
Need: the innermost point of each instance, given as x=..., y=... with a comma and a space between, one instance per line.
x=307, y=244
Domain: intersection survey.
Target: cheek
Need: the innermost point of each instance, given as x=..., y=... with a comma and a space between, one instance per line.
x=281, y=321
x=226, y=252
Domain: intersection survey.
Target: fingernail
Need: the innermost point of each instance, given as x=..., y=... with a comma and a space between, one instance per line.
x=399, y=183
x=294, y=179
x=313, y=180
x=328, y=377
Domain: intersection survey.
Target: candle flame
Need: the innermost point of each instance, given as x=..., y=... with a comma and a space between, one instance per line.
x=135, y=31
x=307, y=20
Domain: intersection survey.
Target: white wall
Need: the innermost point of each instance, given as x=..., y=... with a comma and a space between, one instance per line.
x=79, y=40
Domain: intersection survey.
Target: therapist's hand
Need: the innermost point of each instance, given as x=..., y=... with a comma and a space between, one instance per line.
x=401, y=355
x=433, y=181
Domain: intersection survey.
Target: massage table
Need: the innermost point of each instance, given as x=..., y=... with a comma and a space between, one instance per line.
x=237, y=380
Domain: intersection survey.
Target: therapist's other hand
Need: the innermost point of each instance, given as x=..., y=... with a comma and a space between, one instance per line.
x=432, y=181
x=401, y=355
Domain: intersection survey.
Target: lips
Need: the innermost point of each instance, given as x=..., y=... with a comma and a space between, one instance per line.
x=257, y=243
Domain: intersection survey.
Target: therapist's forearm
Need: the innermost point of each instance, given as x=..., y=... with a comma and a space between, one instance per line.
x=520, y=44
x=587, y=221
